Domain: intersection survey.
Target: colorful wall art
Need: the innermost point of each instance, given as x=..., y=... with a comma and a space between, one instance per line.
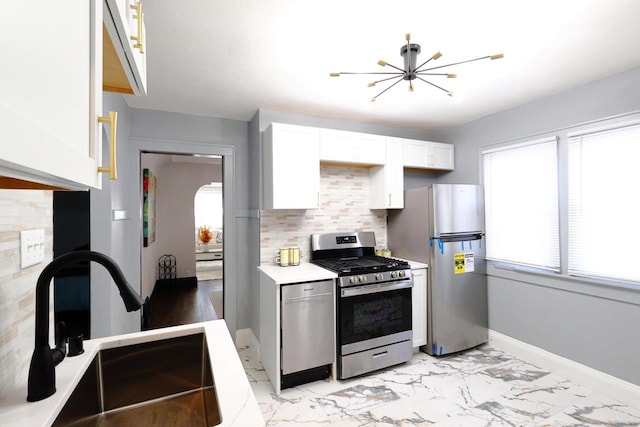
x=149, y=188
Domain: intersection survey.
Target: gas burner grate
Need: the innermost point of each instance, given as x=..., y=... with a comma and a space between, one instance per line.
x=359, y=265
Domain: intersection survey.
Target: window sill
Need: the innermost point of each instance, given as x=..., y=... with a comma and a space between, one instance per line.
x=626, y=292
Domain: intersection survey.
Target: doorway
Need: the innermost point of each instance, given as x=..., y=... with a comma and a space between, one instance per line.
x=172, y=222
x=209, y=238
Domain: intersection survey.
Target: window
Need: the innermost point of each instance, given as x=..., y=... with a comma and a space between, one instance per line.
x=604, y=205
x=208, y=206
x=521, y=204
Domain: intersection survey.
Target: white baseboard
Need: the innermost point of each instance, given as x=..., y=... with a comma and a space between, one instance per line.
x=609, y=385
x=246, y=338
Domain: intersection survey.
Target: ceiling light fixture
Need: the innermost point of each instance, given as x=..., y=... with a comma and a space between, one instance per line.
x=410, y=72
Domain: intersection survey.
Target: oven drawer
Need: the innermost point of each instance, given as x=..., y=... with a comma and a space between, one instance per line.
x=377, y=358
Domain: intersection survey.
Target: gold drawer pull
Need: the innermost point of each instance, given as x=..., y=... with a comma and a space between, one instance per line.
x=140, y=17
x=113, y=127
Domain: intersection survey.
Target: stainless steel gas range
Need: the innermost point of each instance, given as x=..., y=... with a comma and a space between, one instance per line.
x=373, y=302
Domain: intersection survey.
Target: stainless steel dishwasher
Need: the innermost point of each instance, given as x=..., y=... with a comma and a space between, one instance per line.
x=308, y=334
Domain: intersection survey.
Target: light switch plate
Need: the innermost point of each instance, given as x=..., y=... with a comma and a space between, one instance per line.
x=31, y=247
x=119, y=215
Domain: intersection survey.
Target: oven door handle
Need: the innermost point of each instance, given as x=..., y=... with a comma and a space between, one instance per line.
x=373, y=288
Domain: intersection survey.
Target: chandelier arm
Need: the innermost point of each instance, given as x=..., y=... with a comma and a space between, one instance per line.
x=422, y=65
x=455, y=63
x=380, y=73
x=397, y=68
x=389, y=78
x=390, y=86
x=434, y=85
x=422, y=73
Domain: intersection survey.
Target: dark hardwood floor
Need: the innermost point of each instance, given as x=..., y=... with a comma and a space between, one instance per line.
x=182, y=305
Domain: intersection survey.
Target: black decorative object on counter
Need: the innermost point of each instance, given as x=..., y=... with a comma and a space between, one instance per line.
x=167, y=267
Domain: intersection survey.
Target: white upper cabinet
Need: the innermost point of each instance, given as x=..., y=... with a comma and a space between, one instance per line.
x=51, y=95
x=386, y=183
x=352, y=147
x=124, y=47
x=291, y=167
x=428, y=155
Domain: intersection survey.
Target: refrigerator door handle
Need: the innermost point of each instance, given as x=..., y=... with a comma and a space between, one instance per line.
x=459, y=237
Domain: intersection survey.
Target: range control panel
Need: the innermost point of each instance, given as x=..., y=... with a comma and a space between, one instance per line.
x=341, y=240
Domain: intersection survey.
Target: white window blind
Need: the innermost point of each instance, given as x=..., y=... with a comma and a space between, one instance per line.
x=521, y=204
x=604, y=204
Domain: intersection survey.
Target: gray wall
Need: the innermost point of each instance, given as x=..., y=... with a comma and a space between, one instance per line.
x=154, y=131
x=114, y=238
x=593, y=324
x=266, y=117
x=164, y=132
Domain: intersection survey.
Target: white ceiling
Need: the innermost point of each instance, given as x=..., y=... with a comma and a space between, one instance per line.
x=229, y=58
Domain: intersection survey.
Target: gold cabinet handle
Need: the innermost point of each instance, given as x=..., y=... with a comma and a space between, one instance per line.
x=113, y=127
x=140, y=17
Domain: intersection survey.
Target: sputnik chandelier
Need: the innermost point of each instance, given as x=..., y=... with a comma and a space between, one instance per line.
x=410, y=72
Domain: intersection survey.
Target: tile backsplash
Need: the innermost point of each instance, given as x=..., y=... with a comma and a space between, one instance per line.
x=344, y=207
x=20, y=210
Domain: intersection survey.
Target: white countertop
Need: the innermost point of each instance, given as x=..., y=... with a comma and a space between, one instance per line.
x=305, y=272
x=238, y=406
x=415, y=265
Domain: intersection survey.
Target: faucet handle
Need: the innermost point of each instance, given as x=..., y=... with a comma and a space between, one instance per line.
x=61, y=343
x=75, y=345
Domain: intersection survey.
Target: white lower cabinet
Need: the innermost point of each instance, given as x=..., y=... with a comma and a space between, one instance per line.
x=309, y=335
x=419, y=307
x=386, y=183
x=291, y=167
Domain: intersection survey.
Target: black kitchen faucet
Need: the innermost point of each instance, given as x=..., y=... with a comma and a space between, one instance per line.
x=42, y=374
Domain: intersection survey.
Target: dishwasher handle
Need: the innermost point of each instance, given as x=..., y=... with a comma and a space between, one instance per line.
x=310, y=296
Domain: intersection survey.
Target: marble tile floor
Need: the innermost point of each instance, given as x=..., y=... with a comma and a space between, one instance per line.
x=482, y=387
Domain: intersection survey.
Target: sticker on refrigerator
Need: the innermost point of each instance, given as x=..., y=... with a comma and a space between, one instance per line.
x=463, y=262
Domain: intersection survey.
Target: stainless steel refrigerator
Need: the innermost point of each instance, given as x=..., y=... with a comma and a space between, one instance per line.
x=443, y=226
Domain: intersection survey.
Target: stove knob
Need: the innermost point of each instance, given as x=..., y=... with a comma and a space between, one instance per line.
x=379, y=276
x=362, y=279
x=394, y=274
x=402, y=273
x=353, y=280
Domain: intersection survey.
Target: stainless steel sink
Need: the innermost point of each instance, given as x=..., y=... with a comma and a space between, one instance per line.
x=160, y=383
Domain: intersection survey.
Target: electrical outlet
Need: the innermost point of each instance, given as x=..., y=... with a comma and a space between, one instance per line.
x=31, y=247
